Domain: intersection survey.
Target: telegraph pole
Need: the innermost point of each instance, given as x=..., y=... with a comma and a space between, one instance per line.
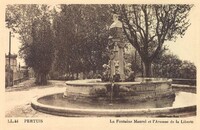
x=9, y=56
x=9, y=53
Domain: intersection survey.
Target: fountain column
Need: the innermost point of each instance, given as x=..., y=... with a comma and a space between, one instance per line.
x=116, y=46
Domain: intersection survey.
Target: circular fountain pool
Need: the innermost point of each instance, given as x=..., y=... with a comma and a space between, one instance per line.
x=57, y=100
x=61, y=104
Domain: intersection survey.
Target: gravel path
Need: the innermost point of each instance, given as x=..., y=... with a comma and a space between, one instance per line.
x=18, y=98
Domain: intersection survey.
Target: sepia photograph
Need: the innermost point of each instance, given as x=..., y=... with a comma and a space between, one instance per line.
x=126, y=63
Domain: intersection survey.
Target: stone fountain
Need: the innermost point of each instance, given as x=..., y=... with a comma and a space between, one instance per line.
x=118, y=83
x=117, y=93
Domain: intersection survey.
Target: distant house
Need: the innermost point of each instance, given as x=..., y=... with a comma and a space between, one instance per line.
x=10, y=69
x=13, y=62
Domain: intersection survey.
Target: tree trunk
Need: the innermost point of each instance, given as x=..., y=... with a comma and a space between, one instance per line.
x=37, y=78
x=44, y=79
x=147, y=68
x=41, y=79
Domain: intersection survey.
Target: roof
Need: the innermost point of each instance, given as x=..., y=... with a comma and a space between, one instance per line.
x=12, y=56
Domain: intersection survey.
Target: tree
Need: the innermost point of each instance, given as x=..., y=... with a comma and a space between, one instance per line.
x=167, y=65
x=96, y=38
x=81, y=37
x=188, y=70
x=32, y=23
x=147, y=27
x=41, y=53
x=170, y=66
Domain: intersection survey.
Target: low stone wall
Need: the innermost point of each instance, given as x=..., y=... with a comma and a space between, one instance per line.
x=184, y=81
x=141, y=90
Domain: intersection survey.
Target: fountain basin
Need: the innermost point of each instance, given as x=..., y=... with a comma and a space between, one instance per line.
x=57, y=105
x=144, y=97
x=143, y=89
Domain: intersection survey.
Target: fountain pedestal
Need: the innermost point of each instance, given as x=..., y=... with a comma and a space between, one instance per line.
x=116, y=47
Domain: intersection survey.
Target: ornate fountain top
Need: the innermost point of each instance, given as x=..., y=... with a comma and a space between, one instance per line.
x=116, y=23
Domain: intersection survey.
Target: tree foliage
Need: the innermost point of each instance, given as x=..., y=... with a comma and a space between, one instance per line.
x=147, y=27
x=32, y=23
x=75, y=38
x=170, y=66
x=81, y=37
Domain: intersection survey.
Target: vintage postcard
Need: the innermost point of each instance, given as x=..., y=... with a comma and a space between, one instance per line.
x=99, y=65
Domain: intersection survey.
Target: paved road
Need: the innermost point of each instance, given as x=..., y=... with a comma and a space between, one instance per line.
x=18, y=99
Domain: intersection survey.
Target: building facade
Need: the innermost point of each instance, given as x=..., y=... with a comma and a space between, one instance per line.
x=10, y=69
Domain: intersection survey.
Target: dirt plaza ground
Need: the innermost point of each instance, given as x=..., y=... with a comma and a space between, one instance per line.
x=18, y=98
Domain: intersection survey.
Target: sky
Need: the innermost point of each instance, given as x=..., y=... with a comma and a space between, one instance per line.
x=15, y=45
x=185, y=48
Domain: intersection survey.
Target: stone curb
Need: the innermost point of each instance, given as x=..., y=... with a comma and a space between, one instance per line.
x=108, y=112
